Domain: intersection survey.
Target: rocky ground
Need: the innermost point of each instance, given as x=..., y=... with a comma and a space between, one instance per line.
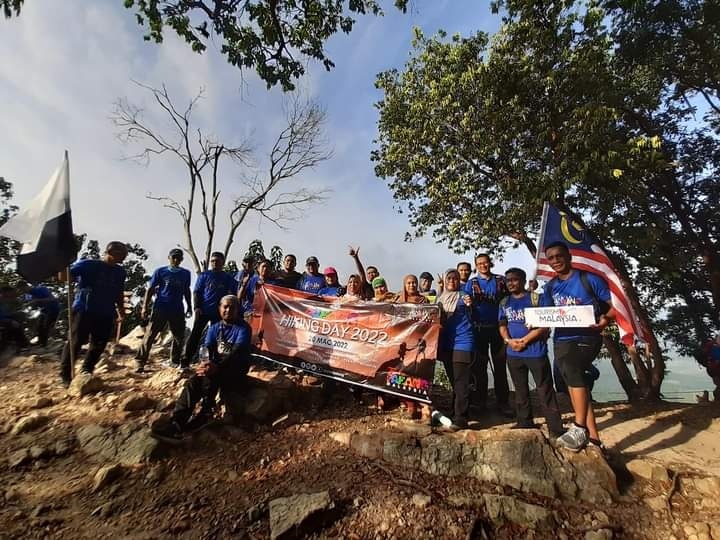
x=81, y=464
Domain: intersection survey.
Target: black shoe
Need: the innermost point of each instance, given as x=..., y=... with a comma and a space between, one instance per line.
x=198, y=422
x=167, y=430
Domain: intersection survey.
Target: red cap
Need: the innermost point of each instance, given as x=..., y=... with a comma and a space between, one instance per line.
x=329, y=270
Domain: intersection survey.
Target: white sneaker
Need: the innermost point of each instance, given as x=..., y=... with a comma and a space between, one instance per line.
x=574, y=439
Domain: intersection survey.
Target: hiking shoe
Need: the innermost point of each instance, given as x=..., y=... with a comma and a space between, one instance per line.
x=596, y=443
x=574, y=439
x=198, y=422
x=168, y=431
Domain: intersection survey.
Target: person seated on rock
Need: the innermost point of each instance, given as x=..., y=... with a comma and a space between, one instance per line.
x=527, y=352
x=456, y=344
x=11, y=319
x=228, y=345
x=210, y=287
x=172, y=285
x=98, y=301
x=40, y=298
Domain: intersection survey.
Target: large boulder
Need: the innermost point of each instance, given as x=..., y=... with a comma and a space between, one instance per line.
x=84, y=384
x=298, y=516
x=129, y=445
x=521, y=459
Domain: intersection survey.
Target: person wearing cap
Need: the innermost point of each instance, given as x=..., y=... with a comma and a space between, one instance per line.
x=311, y=281
x=425, y=285
x=210, y=287
x=381, y=290
x=332, y=284
x=171, y=283
x=288, y=276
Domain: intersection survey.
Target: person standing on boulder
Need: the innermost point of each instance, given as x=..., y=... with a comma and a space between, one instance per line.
x=576, y=348
x=172, y=285
x=210, y=287
x=228, y=344
x=98, y=301
x=527, y=352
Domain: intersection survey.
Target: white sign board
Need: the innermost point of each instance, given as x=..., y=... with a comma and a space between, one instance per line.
x=560, y=316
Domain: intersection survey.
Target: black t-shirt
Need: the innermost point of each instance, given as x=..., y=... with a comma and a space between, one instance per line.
x=288, y=279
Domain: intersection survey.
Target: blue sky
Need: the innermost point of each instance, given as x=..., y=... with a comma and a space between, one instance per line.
x=65, y=63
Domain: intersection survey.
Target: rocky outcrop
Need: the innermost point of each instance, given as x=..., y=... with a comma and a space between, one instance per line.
x=299, y=515
x=127, y=445
x=521, y=459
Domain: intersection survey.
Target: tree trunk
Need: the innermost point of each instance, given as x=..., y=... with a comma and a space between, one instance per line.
x=621, y=369
x=642, y=373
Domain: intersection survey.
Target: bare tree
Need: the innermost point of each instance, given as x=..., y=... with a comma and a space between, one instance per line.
x=298, y=147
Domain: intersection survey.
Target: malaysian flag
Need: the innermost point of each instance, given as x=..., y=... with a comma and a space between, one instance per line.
x=587, y=255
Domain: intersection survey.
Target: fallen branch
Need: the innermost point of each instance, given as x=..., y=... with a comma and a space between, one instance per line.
x=673, y=489
x=402, y=481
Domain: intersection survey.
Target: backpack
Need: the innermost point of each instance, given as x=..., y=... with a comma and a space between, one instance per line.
x=534, y=300
x=600, y=306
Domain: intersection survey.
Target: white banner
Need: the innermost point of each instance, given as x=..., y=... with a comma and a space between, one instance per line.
x=560, y=316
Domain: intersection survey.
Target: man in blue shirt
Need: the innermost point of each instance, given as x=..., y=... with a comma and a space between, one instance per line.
x=228, y=344
x=247, y=268
x=172, y=285
x=311, y=281
x=527, y=352
x=251, y=283
x=44, y=301
x=98, y=301
x=486, y=290
x=210, y=287
x=576, y=348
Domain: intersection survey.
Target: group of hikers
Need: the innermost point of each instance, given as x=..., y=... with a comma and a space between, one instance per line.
x=482, y=318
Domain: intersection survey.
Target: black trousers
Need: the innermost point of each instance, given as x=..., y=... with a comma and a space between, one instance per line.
x=158, y=322
x=193, y=342
x=457, y=366
x=204, y=388
x=540, y=369
x=489, y=345
x=45, y=324
x=86, y=328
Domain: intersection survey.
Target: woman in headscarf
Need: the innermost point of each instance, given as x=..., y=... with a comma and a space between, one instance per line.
x=410, y=293
x=381, y=290
x=354, y=290
x=456, y=345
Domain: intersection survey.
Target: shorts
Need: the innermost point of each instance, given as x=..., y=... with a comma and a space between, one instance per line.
x=575, y=358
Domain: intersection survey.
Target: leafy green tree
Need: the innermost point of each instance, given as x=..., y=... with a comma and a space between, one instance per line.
x=257, y=251
x=474, y=134
x=8, y=248
x=273, y=37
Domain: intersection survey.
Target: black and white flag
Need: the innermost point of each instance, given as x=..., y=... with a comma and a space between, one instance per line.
x=45, y=229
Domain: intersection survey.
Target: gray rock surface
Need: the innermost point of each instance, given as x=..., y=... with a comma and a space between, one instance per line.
x=84, y=384
x=30, y=422
x=106, y=475
x=501, y=508
x=298, y=515
x=139, y=402
x=128, y=445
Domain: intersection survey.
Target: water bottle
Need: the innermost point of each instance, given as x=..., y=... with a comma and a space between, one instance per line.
x=203, y=354
x=439, y=418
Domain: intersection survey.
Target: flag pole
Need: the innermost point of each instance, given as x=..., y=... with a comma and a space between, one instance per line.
x=541, y=239
x=71, y=345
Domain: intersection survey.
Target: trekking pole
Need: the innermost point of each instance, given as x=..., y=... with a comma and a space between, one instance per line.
x=71, y=345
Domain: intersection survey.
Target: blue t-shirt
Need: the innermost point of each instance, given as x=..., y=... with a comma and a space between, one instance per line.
x=486, y=295
x=328, y=290
x=512, y=312
x=311, y=284
x=212, y=286
x=457, y=331
x=100, y=286
x=251, y=288
x=571, y=292
x=43, y=293
x=225, y=340
x=171, y=284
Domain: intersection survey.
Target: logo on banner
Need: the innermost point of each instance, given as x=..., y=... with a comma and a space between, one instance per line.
x=395, y=379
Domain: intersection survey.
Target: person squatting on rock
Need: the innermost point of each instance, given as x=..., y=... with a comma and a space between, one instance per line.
x=210, y=287
x=172, y=285
x=527, y=352
x=228, y=344
x=576, y=348
x=98, y=301
x=456, y=344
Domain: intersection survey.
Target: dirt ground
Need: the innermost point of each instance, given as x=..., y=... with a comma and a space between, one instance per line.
x=218, y=484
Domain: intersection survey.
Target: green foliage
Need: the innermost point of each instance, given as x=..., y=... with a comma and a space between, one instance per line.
x=8, y=248
x=257, y=251
x=11, y=6
x=562, y=104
